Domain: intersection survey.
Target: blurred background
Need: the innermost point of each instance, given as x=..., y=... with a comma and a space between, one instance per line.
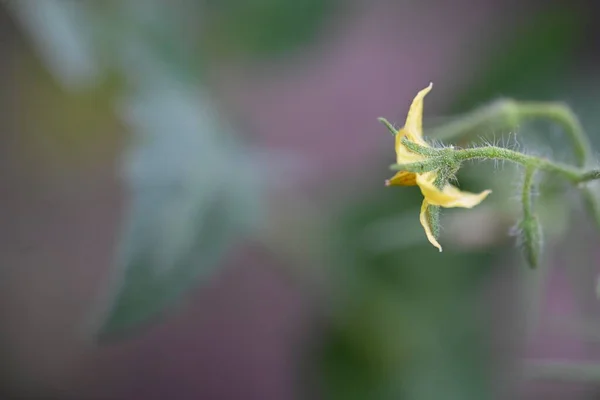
x=202, y=183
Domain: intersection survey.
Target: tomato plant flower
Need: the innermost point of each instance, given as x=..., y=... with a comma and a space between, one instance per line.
x=436, y=189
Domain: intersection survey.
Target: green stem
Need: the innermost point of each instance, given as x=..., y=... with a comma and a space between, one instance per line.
x=565, y=117
x=530, y=233
x=422, y=150
x=388, y=125
x=511, y=113
x=574, y=175
x=419, y=166
x=452, y=156
x=562, y=115
x=526, y=194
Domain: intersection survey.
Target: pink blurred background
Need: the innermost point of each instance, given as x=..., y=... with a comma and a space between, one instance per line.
x=244, y=333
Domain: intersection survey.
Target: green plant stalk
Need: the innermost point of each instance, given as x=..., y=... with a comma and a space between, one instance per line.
x=420, y=166
x=526, y=194
x=511, y=113
x=574, y=175
x=562, y=115
x=530, y=232
x=453, y=156
x=388, y=125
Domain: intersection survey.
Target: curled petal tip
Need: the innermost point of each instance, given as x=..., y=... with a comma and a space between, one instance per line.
x=387, y=182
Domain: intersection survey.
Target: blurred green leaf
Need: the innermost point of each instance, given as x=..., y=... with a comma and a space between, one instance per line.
x=61, y=37
x=193, y=187
x=193, y=191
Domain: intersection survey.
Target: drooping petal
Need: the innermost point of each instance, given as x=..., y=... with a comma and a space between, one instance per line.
x=450, y=196
x=402, y=178
x=424, y=218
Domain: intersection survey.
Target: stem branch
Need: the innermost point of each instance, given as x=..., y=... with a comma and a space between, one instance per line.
x=573, y=175
x=452, y=155
x=511, y=113
x=562, y=115
x=526, y=194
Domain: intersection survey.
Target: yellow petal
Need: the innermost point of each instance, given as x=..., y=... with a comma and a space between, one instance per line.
x=450, y=196
x=412, y=130
x=424, y=218
x=402, y=178
x=414, y=119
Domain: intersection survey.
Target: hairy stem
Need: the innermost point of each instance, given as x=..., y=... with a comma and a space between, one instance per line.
x=574, y=175
x=527, y=193
x=563, y=116
x=388, y=125
x=451, y=156
x=530, y=233
x=510, y=113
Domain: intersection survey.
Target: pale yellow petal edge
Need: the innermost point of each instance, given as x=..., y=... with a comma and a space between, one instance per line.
x=450, y=196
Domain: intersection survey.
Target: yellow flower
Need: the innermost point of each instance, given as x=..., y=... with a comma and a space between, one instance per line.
x=449, y=196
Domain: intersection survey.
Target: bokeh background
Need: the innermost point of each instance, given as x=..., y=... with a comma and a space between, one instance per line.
x=230, y=151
